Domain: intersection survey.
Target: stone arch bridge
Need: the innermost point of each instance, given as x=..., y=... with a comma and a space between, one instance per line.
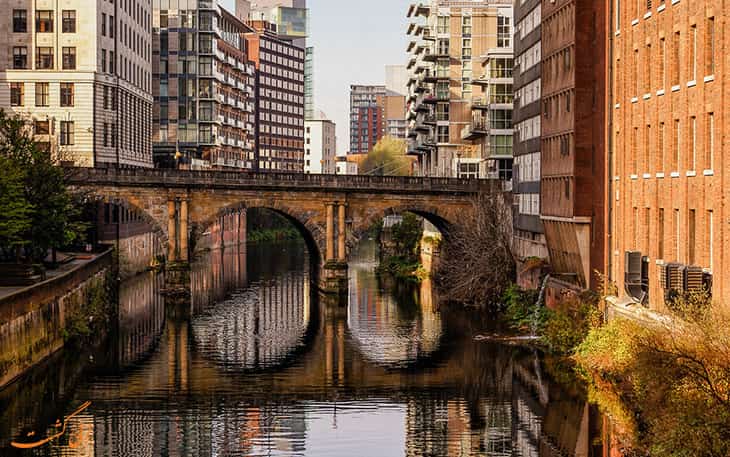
x=331, y=211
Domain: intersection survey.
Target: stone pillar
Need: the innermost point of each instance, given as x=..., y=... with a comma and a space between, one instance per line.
x=342, y=234
x=171, y=231
x=184, y=234
x=242, y=226
x=330, y=254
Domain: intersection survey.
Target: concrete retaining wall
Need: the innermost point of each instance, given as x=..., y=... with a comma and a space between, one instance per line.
x=32, y=320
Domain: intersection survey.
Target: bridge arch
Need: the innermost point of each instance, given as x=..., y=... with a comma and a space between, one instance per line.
x=436, y=216
x=307, y=223
x=151, y=216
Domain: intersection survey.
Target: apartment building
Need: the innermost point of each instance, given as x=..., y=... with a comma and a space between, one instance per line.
x=320, y=144
x=80, y=71
x=450, y=42
x=280, y=98
x=367, y=117
x=204, y=89
x=395, y=108
x=669, y=173
x=529, y=235
x=573, y=144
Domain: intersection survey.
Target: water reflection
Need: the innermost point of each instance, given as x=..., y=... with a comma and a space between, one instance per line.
x=261, y=369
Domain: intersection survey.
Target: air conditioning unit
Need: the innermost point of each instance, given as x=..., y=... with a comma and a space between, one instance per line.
x=671, y=276
x=707, y=281
x=693, y=278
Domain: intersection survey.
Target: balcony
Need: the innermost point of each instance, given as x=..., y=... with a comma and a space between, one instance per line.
x=474, y=131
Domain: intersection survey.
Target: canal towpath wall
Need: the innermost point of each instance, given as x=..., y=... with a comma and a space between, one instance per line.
x=33, y=320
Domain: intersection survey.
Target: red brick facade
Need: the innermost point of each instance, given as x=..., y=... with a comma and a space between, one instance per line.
x=670, y=175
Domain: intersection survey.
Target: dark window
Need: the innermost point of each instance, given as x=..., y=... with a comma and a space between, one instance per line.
x=41, y=94
x=67, y=133
x=67, y=94
x=69, y=58
x=44, y=58
x=68, y=24
x=44, y=21
x=20, y=21
x=20, y=57
x=103, y=24
x=16, y=94
x=41, y=127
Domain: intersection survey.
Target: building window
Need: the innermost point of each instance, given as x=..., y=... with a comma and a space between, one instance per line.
x=69, y=58
x=41, y=127
x=17, y=94
x=442, y=134
x=660, y=237
x=20, y=21
x=466, y=48
x=710, y=141
x=442, y=25
x=67, y=133
x=663, y=62
x=618, y=15
x=466, y=25
x=661, y=147
x=693, y=53
x=692, y=239
x=44, y=21
x=710, y=239
x=649, y=63
x=677, y=144
x=693, y=140
x=68, y=23
x=504, y=33
x=500, y=145
x=111, y=26
x=710, y=47
x=41, y=94
x=44, y=58
x=20, y=57
x=647, y=151
x=675, y=60
x=103, y=24
x=67, y=94
x=105, y=137
x=677, y=239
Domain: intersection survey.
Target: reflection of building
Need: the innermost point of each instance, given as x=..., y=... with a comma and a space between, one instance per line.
x=367, y=117
x=85, y=83
x=141, y=316
x=320, y=143
x=203, y=85
x=448, y=43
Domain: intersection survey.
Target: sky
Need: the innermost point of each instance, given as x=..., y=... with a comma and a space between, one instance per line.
x=353, y=42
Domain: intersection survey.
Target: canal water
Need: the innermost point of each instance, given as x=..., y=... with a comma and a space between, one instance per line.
x=256, y=367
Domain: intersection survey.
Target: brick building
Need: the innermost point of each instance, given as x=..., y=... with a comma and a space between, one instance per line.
x=367, y=117
x=573, y=124
x=669, y=177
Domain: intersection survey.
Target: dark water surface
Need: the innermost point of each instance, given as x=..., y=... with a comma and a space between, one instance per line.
x=261, y=369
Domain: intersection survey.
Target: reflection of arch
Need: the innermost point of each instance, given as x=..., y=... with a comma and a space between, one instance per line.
x=432, y=214
x=311, y=231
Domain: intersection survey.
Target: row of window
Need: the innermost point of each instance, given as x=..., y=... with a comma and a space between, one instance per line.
x=530, y=57
x=642, y=76
x=528, y=129
x=66, y=134
x=670, y=236
x=44, y=21
x=529, y=23
x=44, y=59
x=529, y=204
x=283, y=61
x=528, y=167
x=42, y=94
x=558, y=65
x=681, y=140
x=529, y=93
x=282, y=72
x=554, y=104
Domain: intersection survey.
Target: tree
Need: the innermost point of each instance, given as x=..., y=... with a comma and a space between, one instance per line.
x=15, y=210
x=45, y=215
x=387, y=158
x=477, y=264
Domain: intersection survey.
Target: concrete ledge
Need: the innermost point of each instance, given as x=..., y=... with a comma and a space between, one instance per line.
x=624, y=308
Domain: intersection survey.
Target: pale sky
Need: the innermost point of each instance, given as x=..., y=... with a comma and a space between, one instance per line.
x=353, y=42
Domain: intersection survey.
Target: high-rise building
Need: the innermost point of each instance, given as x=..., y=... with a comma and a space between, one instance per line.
x=529, y=235
x=573, y=152
x=395, y=108
x=280, y=98
x=450, y=42
x=309, y=83
x=320, y=144
x=396, y=79
x=669, y=189
x=367, y=117
x=80, y=70
x=204, y=89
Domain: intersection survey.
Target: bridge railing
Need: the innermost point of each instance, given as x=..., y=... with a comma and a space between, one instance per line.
x=252, y=179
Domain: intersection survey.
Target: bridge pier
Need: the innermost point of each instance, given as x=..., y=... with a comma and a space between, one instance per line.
x=177, y=266
x=333, y=277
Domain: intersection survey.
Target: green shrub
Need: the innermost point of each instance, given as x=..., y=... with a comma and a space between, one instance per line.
x=568, y=325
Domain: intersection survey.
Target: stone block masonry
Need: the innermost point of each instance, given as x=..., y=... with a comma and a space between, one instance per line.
x=33, y=320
